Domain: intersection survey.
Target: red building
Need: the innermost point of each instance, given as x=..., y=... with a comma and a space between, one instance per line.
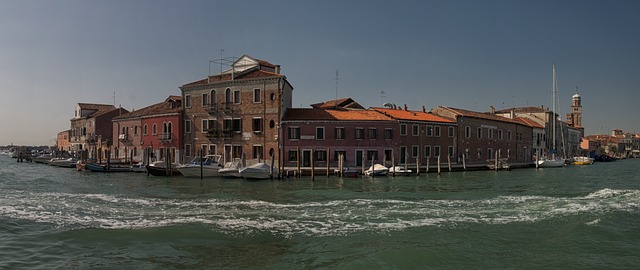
x=154, y=130
x=423, y=136
x=91, y=129
x=359, y=135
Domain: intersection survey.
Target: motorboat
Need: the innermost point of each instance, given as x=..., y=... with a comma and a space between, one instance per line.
x=231, y=169
x=258, y=171
x=63, y=162
x=159, y=168
x=206, y=166
x=399, y=170
x=582, y=161
x=377, y=170
x=96, y=167
x=44, y=158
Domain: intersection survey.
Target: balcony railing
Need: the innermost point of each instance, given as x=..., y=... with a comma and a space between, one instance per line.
x=123, y=137
x=165, y=137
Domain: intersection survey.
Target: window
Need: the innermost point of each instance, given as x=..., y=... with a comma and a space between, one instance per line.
x=414, y=151
x=257, y=125
x=388, y=134
x=500, y=135
x=205, y=100
x=490, y=153
x=479, y=153
x=415, y=130
x=427, y=151
x=187, y=101
x=293, y=155
x=187, y=150
x=212, y=149
x=450, y=151
x=135, y=130
x=144, y=130
x=372, y=155
x=403, y=129
x=236, y=97
x=490, y=135
x=154, y=129
x=321, y=155
x=227, y=96
x=429, y=131
x=339, y=133
x=294, y=133
x=451, y=132
x=257, y=152
x=339, y=153
x=479, y=133
x=467, y=132
x=319, y=133
x=388, y=153
x=257, y=98
x=237, y=125
x=437, y=132
x=359, y=133
x=212, y=102
x=403, y=154
x=509, y=135
x=205, y=125
x=187, y=126
x=436, y=151
x=373, y=134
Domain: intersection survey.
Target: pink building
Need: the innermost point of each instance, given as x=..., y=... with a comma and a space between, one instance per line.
x=359, y=135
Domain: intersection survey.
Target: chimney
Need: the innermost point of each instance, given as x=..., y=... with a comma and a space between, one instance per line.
x=513, y=114
x=492, y=110
x=405, y=107
x=424, y=110
x=277, y=69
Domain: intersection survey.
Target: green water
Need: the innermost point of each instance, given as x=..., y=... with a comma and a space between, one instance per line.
x=569, y=218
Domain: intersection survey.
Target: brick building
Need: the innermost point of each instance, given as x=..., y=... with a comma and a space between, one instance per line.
x=359, y=135
x=423, y=136
x=481, y=135
x=62, y=141
x=91, y=128
x=237, y=111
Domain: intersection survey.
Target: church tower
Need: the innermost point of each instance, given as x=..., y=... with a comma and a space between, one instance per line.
x=574, y=119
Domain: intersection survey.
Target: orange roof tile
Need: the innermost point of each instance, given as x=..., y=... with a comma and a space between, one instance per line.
x=413, y=115
x=314, y=114
x=528, y=122
x=155, y=109
x=487, y=116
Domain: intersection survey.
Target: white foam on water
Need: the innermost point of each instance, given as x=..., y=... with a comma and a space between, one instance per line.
x=328, y=218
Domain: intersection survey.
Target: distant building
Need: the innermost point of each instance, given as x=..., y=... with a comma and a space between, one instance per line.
x=574, y=118
x=237, y=111
x=91, y=128
x=62, y=140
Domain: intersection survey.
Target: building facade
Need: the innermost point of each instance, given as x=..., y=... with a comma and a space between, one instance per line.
x=237, y=111
x=91, y=129
x=483, y=135
x=321, y=136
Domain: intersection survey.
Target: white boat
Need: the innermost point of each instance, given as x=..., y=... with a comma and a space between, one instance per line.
x=44, y=158
x=377, y=170
x=258, y=171
x=63, y=162
x=553, y=160
x=231, y=170
x=399, y=170
x=582, y=161
x=206, y=166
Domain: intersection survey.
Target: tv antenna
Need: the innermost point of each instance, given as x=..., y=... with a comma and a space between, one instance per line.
x=336, y=78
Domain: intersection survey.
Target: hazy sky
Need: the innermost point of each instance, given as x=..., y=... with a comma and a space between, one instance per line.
x=465, y=54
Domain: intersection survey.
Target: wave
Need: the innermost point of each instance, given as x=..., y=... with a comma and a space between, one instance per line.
x=325, y=218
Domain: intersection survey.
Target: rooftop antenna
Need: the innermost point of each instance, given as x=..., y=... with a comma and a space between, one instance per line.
x=336, y=78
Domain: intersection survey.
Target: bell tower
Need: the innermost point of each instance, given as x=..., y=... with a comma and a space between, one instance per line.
x=574, y=119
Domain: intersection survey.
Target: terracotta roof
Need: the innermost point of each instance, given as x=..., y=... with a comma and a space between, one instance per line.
x=487, y=116
x=227, y=77
x=341, y=103
x=413, y=115
x=314, y=114
x=97, y=107
x=528, y=122
x=155, y=109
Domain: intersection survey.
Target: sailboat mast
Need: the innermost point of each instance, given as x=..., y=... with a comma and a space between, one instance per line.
x=553, y=110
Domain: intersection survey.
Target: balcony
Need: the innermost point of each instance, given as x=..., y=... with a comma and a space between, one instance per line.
x=211, y=108
x=165, y=137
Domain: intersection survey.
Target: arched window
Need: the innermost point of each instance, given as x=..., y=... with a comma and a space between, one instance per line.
x=212, y=96
x=169, y=128
x=227, y=96
x=164, y=128
x=154, y=129
x=144, y=132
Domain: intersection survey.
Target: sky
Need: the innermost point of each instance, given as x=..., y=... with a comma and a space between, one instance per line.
x=456, y=53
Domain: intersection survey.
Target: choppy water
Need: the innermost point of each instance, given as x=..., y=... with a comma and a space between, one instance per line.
x=574, y=217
